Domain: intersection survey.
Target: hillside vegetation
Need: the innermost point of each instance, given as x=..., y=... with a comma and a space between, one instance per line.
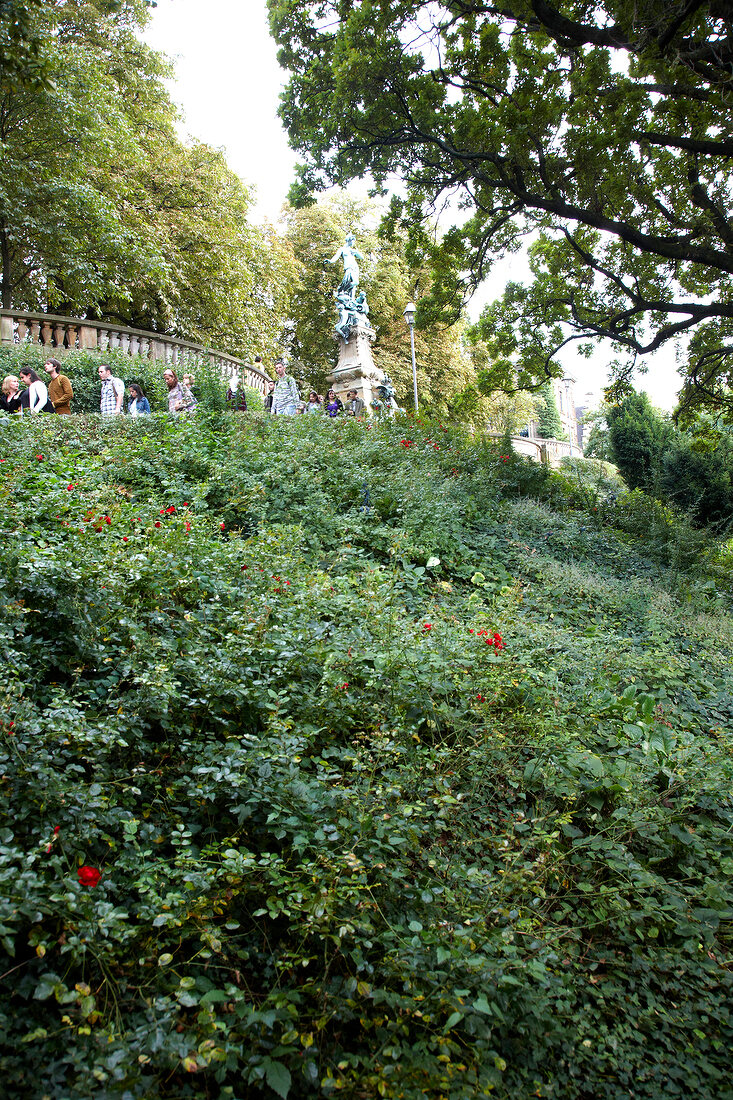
x=356, y=759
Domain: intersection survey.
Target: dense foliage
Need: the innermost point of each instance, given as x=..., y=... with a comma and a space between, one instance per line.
x=601, y=133
x=692, y=471
x=358, y=759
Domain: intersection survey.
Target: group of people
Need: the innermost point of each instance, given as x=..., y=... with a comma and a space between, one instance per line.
x=283, y=399
x=37, y=397
x=56, y=395
x=180, y=394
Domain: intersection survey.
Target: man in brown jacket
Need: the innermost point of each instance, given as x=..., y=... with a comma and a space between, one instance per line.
x=59, y=388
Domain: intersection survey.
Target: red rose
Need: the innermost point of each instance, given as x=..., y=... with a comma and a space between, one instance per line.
x=88, y=876
x=157, y=523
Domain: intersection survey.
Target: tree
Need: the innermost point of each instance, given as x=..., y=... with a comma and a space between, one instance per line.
x=602, y=133
x=699, y=480
x=598, y=444
x=639, y=436
x=549, y=424
x=21, y=47
x=105, y=213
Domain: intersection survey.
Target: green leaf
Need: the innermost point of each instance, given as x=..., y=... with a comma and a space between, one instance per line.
x=278, y=1077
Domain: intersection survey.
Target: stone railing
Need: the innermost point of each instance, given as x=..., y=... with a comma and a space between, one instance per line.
x=60, y=333
x=548, y=451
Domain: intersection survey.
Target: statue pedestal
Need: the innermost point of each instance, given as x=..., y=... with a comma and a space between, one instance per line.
x=356, y=369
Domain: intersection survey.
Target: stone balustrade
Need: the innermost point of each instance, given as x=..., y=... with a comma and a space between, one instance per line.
x=59, y=333
x=547, y=451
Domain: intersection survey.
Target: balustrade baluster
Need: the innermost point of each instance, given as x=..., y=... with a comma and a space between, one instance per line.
x=35, y=332
x=22, y=330
x=144, y=347
x=134, y=346
x=71, y=333
x=125, y=342
x=103, y=339
x=88, y=336
x=59, y=334
x=46, y=333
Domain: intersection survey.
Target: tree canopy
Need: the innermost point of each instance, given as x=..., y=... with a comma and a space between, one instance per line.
x=603, y=133
x=105, y=212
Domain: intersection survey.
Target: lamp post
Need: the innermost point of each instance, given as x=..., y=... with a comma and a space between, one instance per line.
x=409, y=315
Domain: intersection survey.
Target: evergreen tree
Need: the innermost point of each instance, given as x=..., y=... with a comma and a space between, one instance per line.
x=699, y=480
x=638, y=436
x=549, y=424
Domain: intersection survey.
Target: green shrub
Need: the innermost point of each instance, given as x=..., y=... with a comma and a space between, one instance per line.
x=351, y=844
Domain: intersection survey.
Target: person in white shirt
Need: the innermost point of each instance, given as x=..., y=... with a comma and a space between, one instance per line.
x=37, y=392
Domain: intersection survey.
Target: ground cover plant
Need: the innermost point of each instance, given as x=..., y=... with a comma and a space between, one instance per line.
x=355, y=759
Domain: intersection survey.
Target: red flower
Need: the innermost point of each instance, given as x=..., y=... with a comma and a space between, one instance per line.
x=88, y=876
x=56, y=830
x=124, y=538
x=40, y=458
x=427, y=626
x=480, y=698
x=107, y=520
x=170, y=510
x=69, y=487
x=188, y=526
x=244, y=567
x=157, y=523
x=185, y=504
x=222, y=525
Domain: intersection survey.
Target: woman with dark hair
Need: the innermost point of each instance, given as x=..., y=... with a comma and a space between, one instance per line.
x=139, y=404
x=38, y=399
x=334, y=405
x=314, y=404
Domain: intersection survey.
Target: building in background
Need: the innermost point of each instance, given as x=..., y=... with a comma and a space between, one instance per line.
x=563, y=390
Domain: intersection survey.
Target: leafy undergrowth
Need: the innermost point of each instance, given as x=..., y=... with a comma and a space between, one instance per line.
x=356, y=760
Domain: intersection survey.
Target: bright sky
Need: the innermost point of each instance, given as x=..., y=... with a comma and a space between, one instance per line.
x=227, y=86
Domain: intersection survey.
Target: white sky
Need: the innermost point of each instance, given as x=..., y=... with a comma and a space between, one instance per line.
x=227, y=86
